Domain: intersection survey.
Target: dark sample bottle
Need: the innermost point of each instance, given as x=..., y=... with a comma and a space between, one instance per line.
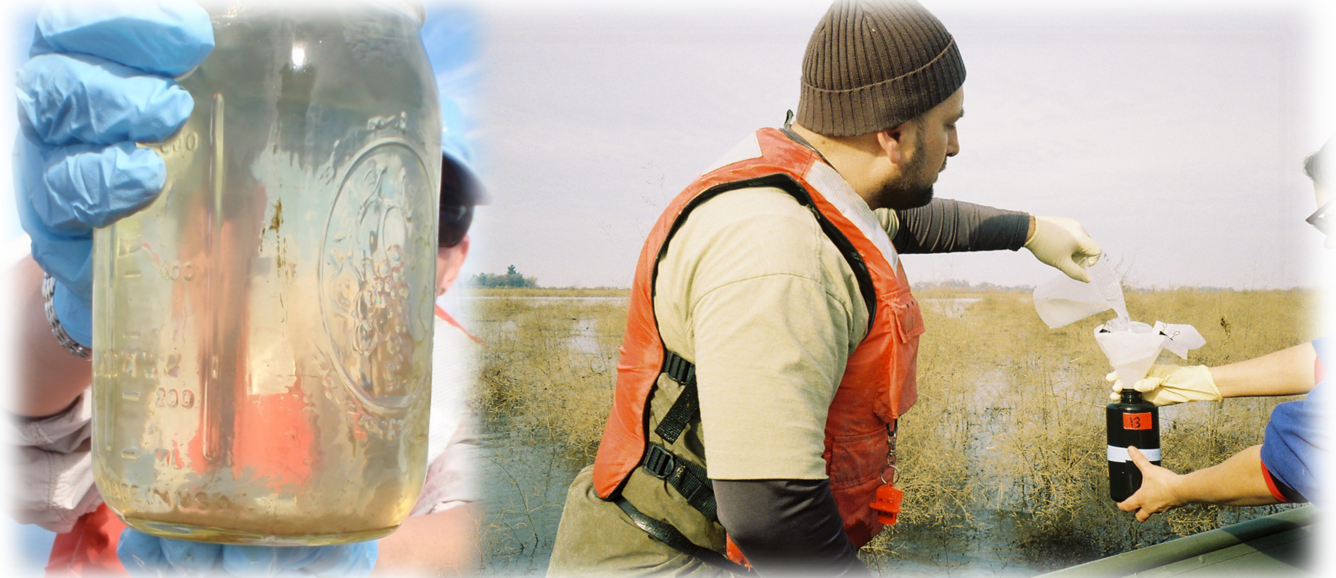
x=1132, y=422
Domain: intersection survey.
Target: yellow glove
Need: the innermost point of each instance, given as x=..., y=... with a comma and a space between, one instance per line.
x=1064, y=244
x=1170, y=384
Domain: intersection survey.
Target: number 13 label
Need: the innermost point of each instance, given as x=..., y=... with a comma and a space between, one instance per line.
x=1136, y=421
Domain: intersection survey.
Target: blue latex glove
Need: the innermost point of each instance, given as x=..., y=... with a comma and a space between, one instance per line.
x=99, y=80
x=145, y=555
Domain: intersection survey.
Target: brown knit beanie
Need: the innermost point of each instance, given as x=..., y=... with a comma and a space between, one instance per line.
x=872, y=65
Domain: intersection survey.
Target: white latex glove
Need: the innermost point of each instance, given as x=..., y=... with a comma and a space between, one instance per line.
x=1170, y=384
x=1063, y=244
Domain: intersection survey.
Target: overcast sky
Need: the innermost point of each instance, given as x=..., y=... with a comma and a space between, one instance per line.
x=1175, y=132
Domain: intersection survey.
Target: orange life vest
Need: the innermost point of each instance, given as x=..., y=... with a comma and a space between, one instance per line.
x=89, y=549
x=878, y=385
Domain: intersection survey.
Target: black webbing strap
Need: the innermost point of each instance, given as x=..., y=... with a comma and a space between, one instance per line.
x=687, y=406
x=690, y=479
x=666, y=533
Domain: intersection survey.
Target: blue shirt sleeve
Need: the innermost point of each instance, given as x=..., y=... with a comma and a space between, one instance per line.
x=1322, y=346
x=1294, y=443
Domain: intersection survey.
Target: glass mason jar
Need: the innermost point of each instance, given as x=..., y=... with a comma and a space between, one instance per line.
x=263, y=331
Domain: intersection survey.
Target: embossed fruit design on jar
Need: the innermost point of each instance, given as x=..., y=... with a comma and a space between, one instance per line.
x=262, y=332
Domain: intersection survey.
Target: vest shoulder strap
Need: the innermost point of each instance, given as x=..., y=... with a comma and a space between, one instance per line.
x=687, y=406
x=691, y=480
x=788, y=184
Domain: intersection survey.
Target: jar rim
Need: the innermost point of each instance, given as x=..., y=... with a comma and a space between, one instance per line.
x=415, y=9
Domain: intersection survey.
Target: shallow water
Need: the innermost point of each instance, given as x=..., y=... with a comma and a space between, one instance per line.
x=949, y=307
x=526, y=482
x=524, y=489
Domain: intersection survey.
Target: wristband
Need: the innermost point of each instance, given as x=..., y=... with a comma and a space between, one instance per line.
x=58, y=330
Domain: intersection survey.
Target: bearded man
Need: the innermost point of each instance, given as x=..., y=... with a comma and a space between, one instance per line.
x=771, y=334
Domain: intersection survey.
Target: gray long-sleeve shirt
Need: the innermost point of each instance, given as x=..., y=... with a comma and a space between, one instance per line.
x=949, y=226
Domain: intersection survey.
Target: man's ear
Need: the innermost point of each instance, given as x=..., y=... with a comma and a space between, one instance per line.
x=893, y=140
x=449, y=260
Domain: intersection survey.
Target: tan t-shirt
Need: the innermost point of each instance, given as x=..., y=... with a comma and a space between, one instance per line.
x=754, y=293
x=758, y=297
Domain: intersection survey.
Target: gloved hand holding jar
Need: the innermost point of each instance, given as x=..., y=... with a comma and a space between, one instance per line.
x=102, y=80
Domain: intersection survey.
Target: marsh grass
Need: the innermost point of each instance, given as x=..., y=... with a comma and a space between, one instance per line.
x=550, y=367
x=544, y=292
x=545, y=389
x=1004, y=451
x=1006, y=444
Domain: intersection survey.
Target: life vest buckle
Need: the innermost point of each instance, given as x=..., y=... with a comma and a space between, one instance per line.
x=659, y=462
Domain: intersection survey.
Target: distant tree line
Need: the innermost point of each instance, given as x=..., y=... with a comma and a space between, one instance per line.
x=511, y=278
x=962, y=285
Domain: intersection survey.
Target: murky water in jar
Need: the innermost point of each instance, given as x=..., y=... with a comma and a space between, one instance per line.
x=263, y=330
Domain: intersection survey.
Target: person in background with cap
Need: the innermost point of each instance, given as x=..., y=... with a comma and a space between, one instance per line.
x=110, y=73
x=771, y=335
x=1288, y=466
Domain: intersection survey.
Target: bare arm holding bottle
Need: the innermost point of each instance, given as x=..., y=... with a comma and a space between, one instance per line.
x=1277, y=471
x=1237, y=481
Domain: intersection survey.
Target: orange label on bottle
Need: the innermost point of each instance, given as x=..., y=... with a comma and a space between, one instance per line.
x=1136, y=421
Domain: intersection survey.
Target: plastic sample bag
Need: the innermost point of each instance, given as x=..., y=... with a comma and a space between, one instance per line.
x=1064, y=300
x=1130, y=346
